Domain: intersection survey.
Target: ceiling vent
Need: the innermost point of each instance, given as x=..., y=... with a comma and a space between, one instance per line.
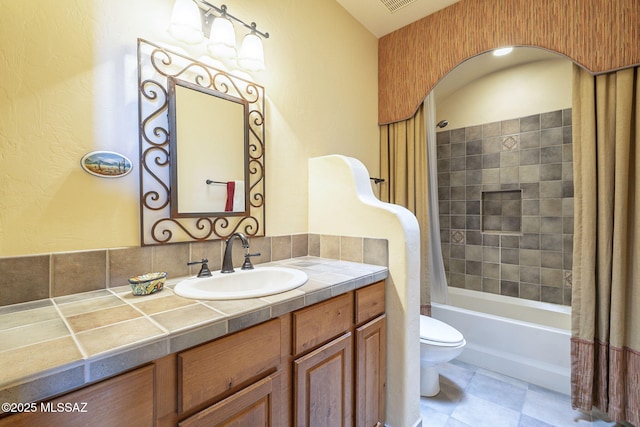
x=394, y=5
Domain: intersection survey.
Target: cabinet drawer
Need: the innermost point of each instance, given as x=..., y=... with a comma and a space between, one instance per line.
x=369, y=302
x=321, y=322
x=224, y=366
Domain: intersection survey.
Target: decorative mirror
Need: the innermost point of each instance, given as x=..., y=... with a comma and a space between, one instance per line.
x=201, y=150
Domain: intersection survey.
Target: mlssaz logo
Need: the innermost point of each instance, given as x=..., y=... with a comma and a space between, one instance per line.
x=63, y=407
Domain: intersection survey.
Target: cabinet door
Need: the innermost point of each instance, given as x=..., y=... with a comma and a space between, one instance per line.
x=120, y=401
x=323, y=385
x=371, y=373
x=256, y=405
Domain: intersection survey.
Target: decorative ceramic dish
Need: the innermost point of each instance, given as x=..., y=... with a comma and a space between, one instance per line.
x=147, y=284
x=106, y=164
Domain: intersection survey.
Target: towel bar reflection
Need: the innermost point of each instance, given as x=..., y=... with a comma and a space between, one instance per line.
x=210, y=181
x=376, y=180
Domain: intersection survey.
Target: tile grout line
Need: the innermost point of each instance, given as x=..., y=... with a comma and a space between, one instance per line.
x=81, y=349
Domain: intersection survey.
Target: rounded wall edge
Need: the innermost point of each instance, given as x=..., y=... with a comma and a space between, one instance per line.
x=341, y=202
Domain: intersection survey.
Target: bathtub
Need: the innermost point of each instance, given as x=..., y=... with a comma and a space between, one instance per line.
x=527, y=340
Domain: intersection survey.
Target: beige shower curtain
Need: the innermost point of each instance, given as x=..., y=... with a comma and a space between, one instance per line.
x=605, y=343
x=403, y=165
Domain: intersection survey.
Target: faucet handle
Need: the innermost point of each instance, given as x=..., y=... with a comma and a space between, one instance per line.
x=247, y=261
x=204, y=270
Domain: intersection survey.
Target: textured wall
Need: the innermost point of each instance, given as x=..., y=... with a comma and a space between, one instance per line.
x=601, y=35
x=69, y=86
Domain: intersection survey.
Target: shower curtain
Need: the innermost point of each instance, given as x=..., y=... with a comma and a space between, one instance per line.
x=403, y=160
x=404, y=164
x=437, y=273
x=605, y=343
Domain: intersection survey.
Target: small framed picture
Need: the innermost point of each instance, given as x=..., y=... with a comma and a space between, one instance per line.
x=106, y=164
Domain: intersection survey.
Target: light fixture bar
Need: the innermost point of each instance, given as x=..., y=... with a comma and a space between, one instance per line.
x=222, y=10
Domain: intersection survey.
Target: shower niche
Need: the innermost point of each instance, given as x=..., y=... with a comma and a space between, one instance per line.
x=501, y=212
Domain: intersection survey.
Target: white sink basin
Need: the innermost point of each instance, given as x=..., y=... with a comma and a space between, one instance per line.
x=259, y=282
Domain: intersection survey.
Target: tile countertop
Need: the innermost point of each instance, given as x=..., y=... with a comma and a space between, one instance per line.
x=51, y=346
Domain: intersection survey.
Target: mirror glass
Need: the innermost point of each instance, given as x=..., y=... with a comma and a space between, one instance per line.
x=208, y=139
x=202, y=138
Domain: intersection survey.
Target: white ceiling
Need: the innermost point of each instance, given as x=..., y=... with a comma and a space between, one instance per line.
x=377, y=18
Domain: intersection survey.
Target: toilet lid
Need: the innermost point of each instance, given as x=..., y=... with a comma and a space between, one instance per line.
x=434, y=330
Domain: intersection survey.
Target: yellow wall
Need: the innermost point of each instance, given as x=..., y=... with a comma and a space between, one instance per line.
x=68, y=87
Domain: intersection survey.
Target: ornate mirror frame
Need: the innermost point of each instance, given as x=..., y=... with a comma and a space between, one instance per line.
x=155, y=65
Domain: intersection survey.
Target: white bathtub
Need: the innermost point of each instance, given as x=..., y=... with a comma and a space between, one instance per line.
x=523, y=339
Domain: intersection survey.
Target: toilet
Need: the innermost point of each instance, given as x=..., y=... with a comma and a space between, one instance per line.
x=439, y=343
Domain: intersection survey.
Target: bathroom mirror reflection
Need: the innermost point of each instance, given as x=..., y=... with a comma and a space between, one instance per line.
x=208, y=134
x=232, y=109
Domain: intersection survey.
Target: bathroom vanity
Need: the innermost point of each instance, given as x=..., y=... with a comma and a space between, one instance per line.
x=319, y=365
x=315, y=365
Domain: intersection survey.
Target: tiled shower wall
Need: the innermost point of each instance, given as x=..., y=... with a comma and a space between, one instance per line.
x=505, y=194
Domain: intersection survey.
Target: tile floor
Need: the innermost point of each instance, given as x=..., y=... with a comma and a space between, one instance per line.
x=474, y=397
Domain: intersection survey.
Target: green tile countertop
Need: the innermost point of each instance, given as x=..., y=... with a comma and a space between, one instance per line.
x=51, y=346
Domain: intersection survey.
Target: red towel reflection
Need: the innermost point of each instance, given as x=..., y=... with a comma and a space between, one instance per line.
x=231, y=189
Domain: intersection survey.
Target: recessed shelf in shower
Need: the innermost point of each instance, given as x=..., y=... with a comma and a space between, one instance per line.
x=502, y=212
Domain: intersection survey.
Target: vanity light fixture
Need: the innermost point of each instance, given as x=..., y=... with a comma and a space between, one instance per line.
x=221, y=32
x=502, y=51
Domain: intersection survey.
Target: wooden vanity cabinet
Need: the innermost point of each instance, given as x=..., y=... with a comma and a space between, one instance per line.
x=324, y=385
x=127, y=399
x=320, y=366
x=215, y=370
x=340, y=380
x=370, y=356
x=323, y=377
x=234, y=380
x=258, y=404
x=370, y=373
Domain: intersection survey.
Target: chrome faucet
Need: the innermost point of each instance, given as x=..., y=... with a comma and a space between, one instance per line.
x=227, y=261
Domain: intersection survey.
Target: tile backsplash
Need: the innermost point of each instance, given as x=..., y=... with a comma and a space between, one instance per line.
x=505, y=193
x=34, y=277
